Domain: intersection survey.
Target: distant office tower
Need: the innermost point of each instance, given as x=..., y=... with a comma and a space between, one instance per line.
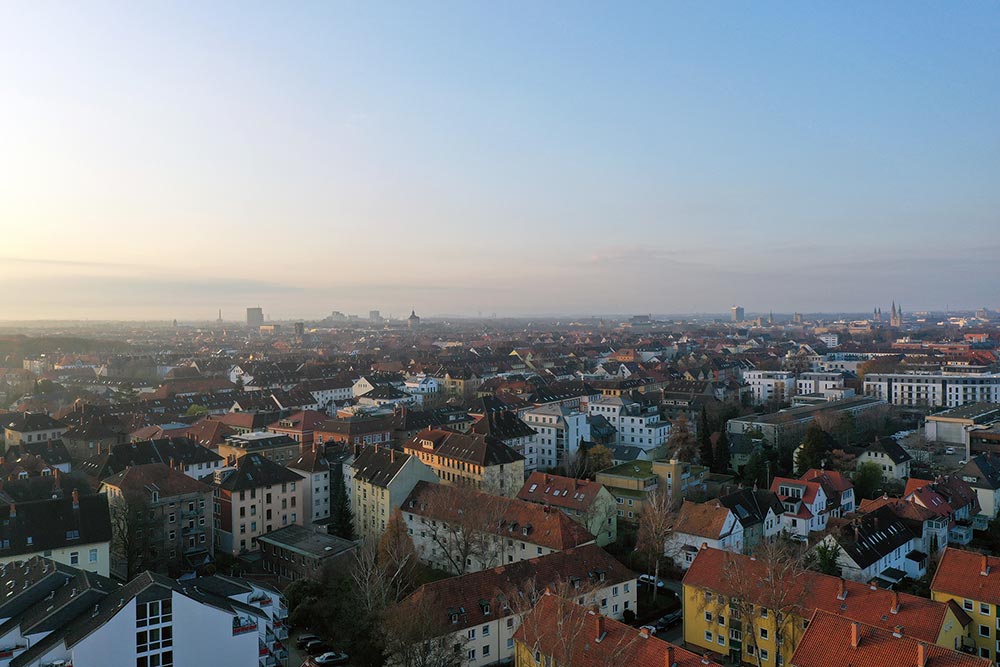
x=255, y=317
x=374, y=316
x=737, y=313
x=797, y=318
x=300, y=329
x=413, y=321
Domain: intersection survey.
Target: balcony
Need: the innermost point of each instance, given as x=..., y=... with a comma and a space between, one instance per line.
x=242, y=626
x=959, y=534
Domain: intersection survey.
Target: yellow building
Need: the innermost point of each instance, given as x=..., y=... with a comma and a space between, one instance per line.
x=971, y=581
x=714, y=611
x=481, y=462
x=632, y=482
x=380, y=479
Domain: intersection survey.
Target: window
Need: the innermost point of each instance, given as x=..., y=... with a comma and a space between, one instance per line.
x=984, y=652
x=93, y=555
x=984, y=609
x=74, y=558
x=472, y=654
x=967, y=605
x=763, y=612
x=486, y=632
x=984, y=631
x=472, y=633
x=721, y=639
x=708, y=616
x=763, y=654
x=763, y=633
x=709, y=637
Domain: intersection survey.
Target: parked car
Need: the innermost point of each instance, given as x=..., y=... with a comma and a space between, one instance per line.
x=305, y=638
x=650, y=579
x=331, y=658
x=318, y=647
x=669, y=620
x=648, y=628
x=949, y=450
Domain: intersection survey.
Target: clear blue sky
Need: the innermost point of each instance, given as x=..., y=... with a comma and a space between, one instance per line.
x=522, y=158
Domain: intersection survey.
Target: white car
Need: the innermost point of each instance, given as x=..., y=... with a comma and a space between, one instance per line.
x=650, y=579
x=949, y=450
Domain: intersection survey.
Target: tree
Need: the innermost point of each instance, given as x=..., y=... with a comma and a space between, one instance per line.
x=681, y=444
x=464, y=527
x=827, y=554
x=705, y=440
x=656, y=525
x=397, y=557
x=815, y=448
x=341, y=523
x=196, y=411
x=721, y=454
x=419, y=634
x=867, y=480
x=770, y=580
x=599, y=458
x=131, y=533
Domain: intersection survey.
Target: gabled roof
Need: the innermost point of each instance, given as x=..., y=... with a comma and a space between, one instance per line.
x=561, y=492
x=960, y=573
x=24, y=422
x=594, y=640
x=54, y=523
x=480, y=450
x=874, y=535
x=982, y=471
x=503, y=424
x=589, y=565
x=809, y=489
x=156, y=477
x=750, y=506
x=702, y=519
x=378, y=465
x=529, y=522
x=921, y=618
x=829, y=642
x=255, y=471
x=892, y=449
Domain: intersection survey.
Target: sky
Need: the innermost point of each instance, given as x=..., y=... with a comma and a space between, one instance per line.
x=165, y=160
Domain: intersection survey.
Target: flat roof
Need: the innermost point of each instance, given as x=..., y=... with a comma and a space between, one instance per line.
x=307, y=542
x=975, y=411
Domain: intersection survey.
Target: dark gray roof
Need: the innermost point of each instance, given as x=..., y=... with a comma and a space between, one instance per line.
x=24, y=422
x=254, y=471
x=54, y=523
x=750, y=506
x=982, y=471
x=308, y=542
x=892, y=449
x=165, y=450
x=378, y=465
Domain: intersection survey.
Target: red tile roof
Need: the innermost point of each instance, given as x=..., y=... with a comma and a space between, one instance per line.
x=573, y=635
x=702, y=519
x=546, y=527
x=920, y=617
x=809, y=493
x=960, y=573
x=836, y=641
x=561, y=492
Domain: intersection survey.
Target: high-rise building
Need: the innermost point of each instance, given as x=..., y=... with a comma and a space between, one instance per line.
x=255, y=317
x=737, y=312
x=300, y=328
x=374, y=316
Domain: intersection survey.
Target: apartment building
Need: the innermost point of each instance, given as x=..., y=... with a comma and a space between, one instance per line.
x=252, y=498
x=635, y=423
x=481, y=462
x=381, y=478
x=315, y=468
x=768, y=386
x=560, y=430
x=938, y=389
x=276, y=447
x=586, y=502
x=972, y=582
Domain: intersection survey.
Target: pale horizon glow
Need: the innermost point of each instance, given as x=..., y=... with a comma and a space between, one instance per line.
x=165, y=161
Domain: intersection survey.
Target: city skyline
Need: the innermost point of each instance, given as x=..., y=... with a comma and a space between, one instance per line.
x=667, y=158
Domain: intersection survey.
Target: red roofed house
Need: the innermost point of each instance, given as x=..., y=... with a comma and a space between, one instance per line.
x=299, y=426
x=972, y=581
x=560, y=633
x=835, y=641
x=805, y=506
x=460, y=530
x=949, y=497
x=584, y=501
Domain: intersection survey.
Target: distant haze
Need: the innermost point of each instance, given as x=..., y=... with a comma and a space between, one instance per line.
x=167, y=160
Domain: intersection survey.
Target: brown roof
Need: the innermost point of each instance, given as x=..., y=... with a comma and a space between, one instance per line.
x=960, y=573
x=209, y=432
x=156, y=476
x=480, y=450
x=702, y=519
x=580, y=637
x=836, y=641
x=921, y=618
x=545, y=527
x=561, y=492
x=591, y=565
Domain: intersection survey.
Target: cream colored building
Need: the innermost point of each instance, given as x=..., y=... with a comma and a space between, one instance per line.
x=381, y=479
x=481, y=462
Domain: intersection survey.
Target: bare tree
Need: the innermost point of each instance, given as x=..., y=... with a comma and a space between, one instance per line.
x=682, y=444
x=132, y=535
x=418, y=634
x=464, y=526
x=656, y=525
x=766, y=592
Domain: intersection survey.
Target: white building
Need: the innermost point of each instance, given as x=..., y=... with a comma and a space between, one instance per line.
x=805, y=506
x=421, y=384
x=819, y=383
x=560, y=430
x=635, y=424
x=766, y=386
x=698, y=524
x=56, y=615
x=316, y=485
x=934, y=389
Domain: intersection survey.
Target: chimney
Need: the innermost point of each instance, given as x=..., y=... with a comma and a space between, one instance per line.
x=855, y=634
x=644, y=632
x=392, y=455
x=599, y=634
x=921, y=655
x=842, y=591
x=76, y=499
x=669, y=662
x=984, y=567
x=895, y=602
x=704, y=545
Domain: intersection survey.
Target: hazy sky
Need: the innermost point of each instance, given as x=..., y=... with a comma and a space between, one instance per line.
x=167, y=159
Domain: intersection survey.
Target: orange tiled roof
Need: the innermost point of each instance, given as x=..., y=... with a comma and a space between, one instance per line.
x=960, y=573
x=921, y=618
x=558, y=491
x=701, y=519
x=836, y=641
x=576, y=636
